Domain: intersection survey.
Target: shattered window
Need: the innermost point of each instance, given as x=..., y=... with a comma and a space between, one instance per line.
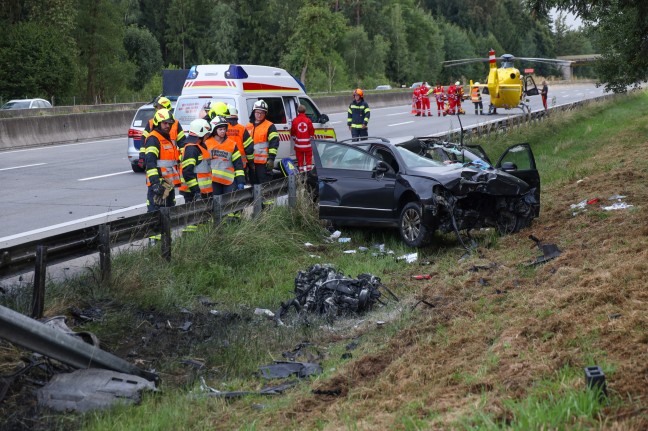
x=345, y=157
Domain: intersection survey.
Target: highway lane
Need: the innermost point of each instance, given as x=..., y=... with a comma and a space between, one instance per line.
x=47, y=188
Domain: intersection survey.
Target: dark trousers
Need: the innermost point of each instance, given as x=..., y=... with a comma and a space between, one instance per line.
x=260, y=174
x=359, y=132
x=221, y=189
x=479, y=108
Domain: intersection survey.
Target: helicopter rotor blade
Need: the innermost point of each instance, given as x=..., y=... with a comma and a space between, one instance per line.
x=545, y=60
x=463, y=61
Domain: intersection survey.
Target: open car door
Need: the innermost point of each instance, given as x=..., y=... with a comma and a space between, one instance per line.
x=518, y=160
x=352, y=183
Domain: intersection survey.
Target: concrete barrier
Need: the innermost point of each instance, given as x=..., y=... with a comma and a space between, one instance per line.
x=56, y=129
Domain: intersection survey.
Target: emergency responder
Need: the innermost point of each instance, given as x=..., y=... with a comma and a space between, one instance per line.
x=543, y=93
x=302, y=131
x=460, y=96
x=196, y=163
x=358, y=115
x=439, y=96
x=216, y=108
x=226, y=163
x=176, y=133
x=161, y=163
x=416, y=100
x=239, y=134
x=452, y=100
x=266, y=142
x=475, y=96
x=425, y=100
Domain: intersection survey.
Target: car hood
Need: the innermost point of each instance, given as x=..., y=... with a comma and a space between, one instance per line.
x=467, y=179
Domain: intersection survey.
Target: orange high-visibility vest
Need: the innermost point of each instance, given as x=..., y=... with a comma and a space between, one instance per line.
x=167, y=162
x=235, y=133
x=173, y=131
x=222, y=167
x=259, y=134
x=475, y=95
x=202, y=170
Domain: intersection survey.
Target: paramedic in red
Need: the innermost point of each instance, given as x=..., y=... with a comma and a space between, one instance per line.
x=452, y=99
x=302, y=131
x=425, y=100
x=266, y=142
x=439, y=95
x=416, y=98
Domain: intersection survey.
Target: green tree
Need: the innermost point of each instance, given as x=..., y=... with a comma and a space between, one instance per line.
x=223, y=35
x=34, y=63
x=143, y=50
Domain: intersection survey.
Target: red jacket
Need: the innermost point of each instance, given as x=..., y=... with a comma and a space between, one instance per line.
x=302, y=131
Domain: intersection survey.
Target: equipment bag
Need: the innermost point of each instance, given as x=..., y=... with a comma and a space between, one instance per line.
x=287, y=167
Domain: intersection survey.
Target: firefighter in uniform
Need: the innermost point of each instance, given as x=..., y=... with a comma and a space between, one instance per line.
x=176, y=133
x=226, y=164
x=239, y=134
x=266, y=142
x=358, y=115
x=425, y=100
x=302, y=131
x=215, y=108
x=161, y=160
x=475, y=96
x=196, y=163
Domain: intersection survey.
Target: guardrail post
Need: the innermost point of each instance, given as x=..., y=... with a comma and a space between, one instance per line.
x=40, y=270
x=217, y=205
x=257, y=204
x=105, y=266
x=292, y=191
x=165, y=228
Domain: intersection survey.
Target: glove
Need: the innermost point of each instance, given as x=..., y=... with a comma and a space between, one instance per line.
x=270, y=165
x=140, y=163
x=157, y=189
x=240, y=186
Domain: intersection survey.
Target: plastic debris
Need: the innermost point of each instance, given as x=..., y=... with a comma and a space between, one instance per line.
x=409, y=258
x=617, y=206
x=308, y=244
x=349, y=252
x=264, y=312
x=282, y=369
x=593, y=201
x=422, y=277
x=549, y=251
x=334, y=236
x=344, y=240
x=616, y=197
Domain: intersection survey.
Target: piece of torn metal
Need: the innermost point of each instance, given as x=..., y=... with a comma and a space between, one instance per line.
x=549, y=251
x=282, y=369
x=268, y=390
x=38, y=337
x=91, y=389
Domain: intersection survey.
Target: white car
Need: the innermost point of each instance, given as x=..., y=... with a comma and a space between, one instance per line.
x=384, y=87
x=27, y=104
x=142, y=117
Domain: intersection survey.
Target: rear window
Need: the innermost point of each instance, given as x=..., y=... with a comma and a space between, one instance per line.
x=188, y=109
x=142, y=116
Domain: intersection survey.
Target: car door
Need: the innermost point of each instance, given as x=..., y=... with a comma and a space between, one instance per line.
x=518, y=160
x=352, y=187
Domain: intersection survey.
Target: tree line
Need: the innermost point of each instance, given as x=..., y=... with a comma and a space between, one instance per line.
x=101, y=48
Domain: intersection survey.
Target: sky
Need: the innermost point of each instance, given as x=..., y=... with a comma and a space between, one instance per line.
x=571, y=20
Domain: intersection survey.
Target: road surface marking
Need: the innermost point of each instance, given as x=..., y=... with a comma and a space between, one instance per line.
x=399, y=124
x=104, y=176
x=44, y=147
x=23, y=166
x=397, y=113
x=334, y=122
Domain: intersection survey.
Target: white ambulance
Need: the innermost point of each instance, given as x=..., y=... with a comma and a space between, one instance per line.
x=241, y=86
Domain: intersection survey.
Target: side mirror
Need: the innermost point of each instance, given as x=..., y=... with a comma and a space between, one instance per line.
x=323, y=118
x=509, y=166
x=381, y=167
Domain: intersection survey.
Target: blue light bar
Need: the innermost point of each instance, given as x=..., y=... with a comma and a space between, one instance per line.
x=235, y=72
x=193, y=73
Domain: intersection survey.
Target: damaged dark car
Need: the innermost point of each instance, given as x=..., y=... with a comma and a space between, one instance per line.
x=424, y=185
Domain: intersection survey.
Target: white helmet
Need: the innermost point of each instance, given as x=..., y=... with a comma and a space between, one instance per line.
x=477, y=83
x=260, y=105
x=217, y=122
x=199, y=127
x=233, y=112
x=457, y=83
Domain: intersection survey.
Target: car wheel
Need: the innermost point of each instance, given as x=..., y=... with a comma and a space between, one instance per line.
x=135, y=167
x=411, y=227
x=508, y=222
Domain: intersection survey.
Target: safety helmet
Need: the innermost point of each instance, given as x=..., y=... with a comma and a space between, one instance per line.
x=199, y=127
x=476, y=84
x=163, y=116
x=233, y=112
x=260, y=105
x=359, y=92
x=457, y=83
x=163, y=102
x=218, y=108
x=217, y=122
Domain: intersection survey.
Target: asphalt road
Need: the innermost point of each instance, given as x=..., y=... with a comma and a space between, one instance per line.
x=46, y=189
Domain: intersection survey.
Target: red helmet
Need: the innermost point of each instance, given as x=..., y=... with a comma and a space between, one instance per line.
x=359, y=92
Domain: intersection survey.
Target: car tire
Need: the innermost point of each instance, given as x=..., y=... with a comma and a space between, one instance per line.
x=410, y=225
x=508, y=222
x=135, y=167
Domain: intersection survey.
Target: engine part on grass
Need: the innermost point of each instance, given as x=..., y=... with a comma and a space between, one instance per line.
x=549, y=251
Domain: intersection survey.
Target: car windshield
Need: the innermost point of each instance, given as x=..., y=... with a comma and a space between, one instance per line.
x=16, y=105
x=425, y=154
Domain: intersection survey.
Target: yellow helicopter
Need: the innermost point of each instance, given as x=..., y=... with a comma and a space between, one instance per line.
x=507, y=87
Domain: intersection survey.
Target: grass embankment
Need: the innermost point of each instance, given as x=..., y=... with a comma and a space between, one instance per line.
x=503, y=347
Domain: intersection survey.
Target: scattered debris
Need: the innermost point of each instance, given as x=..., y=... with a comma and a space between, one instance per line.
x=269, y=390
x=614, y=316
x=194, y=363
x=308, y=244
x=283, y=369
x=333, y=237
x=549, y=251
x=349, y=252
x=409, y=258
x=595, y=380
x=264, y=312
x=91, y=389
x=344, y=240
x=352, y=345
x=617, y=206
x=422, y=277
x=483, y=282
x=206, y=301
x=476, y=268
x=186, y=326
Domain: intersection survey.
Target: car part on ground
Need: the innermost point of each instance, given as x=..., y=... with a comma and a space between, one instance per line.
x=424, y=185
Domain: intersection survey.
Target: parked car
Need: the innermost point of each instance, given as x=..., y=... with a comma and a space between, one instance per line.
x=142, y=116
x=27, y=104
x=423, y=185
x=384, y=87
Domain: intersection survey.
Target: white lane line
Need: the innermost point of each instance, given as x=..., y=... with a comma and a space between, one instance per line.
x=45, y=147
x=397, y=113
x=23, y=166
x=104, y=176
x=399, y=124
x=334, y=122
